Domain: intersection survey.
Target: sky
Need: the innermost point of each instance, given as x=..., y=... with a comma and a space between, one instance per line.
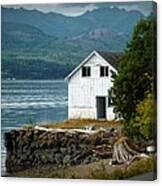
x=77, y=9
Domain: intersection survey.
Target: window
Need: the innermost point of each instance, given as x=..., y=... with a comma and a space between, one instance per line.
x=104, y=71
x=110, y=101
x=86, y=71
x=113, y=74
x=118, y=116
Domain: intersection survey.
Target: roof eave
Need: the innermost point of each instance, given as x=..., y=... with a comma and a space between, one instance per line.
x=79, y=66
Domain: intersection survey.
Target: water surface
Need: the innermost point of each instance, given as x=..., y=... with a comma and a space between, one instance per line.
x=31, y=102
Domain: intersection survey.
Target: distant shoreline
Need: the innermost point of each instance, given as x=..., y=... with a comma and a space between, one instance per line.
x=31, y=79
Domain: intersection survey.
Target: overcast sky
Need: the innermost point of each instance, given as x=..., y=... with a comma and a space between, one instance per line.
x=80, y=8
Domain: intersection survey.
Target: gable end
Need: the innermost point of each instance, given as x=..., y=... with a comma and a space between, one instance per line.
x=110, y=57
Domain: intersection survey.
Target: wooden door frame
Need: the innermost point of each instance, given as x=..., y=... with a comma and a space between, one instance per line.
x=97, y=107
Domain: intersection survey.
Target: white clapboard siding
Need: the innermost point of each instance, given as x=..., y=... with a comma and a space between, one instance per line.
x=82, y=91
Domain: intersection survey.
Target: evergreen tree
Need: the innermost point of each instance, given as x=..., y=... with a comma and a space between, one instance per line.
x=135, y=73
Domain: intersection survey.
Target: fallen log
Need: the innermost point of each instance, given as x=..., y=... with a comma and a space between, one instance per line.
x=69, y=130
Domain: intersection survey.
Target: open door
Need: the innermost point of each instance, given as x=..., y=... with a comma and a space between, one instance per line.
x=101, y=107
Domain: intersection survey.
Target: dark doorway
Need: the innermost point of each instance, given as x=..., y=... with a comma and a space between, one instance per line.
x=101, y=107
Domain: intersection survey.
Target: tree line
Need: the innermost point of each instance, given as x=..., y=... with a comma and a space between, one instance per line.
x=34, y=69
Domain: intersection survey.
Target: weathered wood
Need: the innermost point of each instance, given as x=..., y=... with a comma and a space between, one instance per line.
x=123, y=154
x=68, y=130
x=61, y=147
x=82, y=91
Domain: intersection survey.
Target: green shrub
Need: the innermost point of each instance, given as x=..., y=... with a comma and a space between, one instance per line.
x=144, y=121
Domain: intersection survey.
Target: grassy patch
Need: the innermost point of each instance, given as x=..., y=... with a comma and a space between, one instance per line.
x=96, y=170
x=81, y=123
x=136, y=168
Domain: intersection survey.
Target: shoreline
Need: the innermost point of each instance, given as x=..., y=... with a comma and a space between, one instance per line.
x=97, y=169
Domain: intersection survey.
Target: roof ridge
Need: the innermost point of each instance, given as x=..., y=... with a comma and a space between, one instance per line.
x=110, y=57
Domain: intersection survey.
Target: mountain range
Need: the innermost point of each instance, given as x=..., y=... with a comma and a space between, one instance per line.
x=37, y=45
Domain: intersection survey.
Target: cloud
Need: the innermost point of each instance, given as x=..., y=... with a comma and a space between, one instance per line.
x=77, y=9
x=144, y=7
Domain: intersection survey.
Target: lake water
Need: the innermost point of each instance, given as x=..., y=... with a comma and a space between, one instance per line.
x=31, y=101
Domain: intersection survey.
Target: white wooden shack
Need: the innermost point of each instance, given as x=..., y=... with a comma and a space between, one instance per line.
x=88, y=85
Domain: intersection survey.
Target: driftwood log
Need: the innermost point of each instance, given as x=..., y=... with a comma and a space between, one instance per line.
x=124, y=154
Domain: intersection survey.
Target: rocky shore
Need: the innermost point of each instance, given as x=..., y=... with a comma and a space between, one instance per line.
x=32, y=147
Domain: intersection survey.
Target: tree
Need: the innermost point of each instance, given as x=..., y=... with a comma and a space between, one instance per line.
x=135, y=73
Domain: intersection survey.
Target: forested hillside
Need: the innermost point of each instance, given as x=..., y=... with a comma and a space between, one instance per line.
x=49, y=45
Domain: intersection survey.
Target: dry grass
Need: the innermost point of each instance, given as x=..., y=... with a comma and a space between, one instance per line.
x=81, y=123
x=96, y=170
x=77, y=171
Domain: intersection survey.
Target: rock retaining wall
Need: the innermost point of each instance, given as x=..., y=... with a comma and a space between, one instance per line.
x=28, y=148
